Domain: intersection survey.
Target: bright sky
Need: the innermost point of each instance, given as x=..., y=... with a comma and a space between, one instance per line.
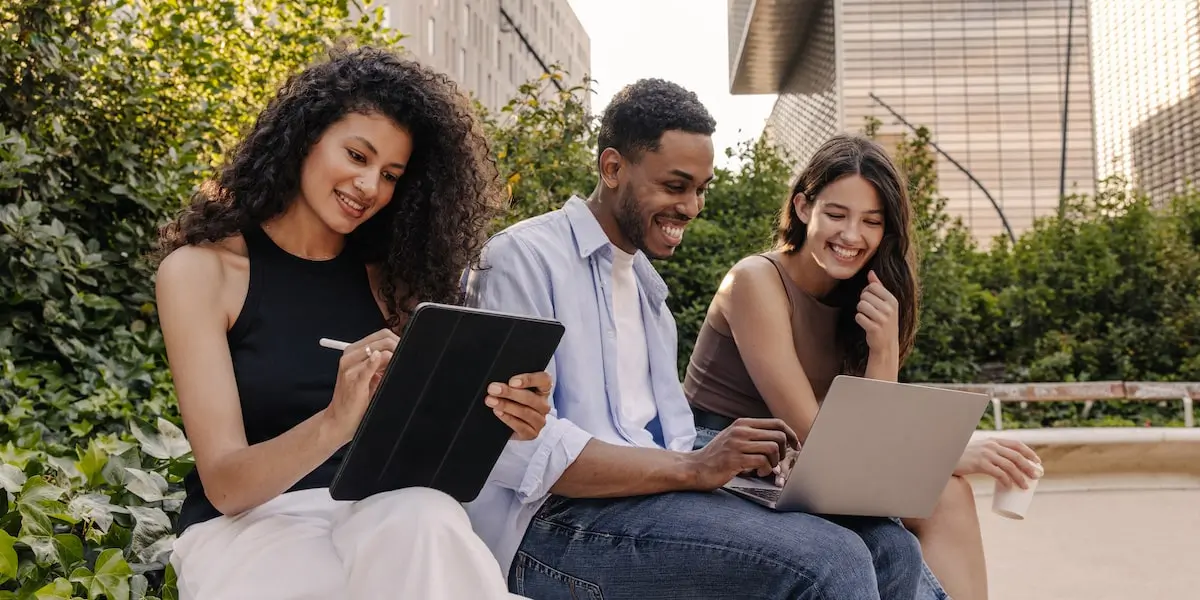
x=678, y=40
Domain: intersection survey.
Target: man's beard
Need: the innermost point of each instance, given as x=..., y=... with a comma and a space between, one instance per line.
x=629, y=221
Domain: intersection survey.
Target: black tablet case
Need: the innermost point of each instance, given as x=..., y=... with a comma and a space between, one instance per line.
x=427, y=424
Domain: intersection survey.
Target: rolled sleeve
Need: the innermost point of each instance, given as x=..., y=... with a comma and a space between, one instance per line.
x=512, y=279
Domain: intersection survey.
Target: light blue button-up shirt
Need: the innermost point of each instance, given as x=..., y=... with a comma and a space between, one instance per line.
x=559, y=266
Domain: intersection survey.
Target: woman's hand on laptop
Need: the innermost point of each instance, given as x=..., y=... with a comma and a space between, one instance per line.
x=1010, y=462
x=747, y=446
x=522, y=403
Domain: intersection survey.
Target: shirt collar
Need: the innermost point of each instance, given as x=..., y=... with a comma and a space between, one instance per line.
x=590, y=239
x=589, y=236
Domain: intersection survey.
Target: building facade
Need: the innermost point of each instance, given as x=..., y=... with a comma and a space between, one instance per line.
x=988, y=78
x=491, y=47
x=1146, y=59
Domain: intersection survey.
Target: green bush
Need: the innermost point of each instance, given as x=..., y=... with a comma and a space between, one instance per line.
x=1109, y=292
x=544, y=143
x=112, y=112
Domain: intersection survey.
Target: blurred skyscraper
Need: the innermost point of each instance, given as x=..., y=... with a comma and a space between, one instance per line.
x=1146, y=63
x=987, y=77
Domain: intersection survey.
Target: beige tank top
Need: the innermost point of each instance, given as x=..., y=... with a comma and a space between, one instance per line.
x=717, y=380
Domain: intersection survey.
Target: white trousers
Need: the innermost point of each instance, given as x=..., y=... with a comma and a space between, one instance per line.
x=414, y=543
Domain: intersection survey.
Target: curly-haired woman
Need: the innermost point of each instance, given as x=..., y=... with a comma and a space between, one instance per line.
x=363, y=188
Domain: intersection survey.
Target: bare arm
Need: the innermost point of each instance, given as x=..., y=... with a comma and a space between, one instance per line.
x=606, y=470
x=883, y=365
x=755, y=305
x=236, y=476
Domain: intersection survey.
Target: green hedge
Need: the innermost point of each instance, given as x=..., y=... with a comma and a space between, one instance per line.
x=113, y=111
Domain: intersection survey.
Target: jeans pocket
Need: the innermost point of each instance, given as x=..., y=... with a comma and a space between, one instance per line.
x=536, y=579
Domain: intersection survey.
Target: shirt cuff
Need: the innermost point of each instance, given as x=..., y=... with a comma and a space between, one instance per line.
x=531, y=468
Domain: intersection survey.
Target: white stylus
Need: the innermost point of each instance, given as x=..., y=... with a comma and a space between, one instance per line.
x=333, y=344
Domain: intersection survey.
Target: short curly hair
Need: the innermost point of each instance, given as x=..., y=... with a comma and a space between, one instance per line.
x=638, y=116
x=435, y=224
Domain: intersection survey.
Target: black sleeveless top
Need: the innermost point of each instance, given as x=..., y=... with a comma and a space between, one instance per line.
x=283, y=375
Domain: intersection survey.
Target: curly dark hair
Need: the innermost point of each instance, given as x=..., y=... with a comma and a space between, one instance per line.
x=435, y=225
x=639, y=114
x=896, y=259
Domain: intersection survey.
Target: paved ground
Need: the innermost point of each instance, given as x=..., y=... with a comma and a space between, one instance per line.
x=1096, y=544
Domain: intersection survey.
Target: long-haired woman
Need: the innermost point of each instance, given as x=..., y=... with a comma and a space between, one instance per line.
x=363, y=188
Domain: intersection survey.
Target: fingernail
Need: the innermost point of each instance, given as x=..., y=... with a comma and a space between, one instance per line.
x=494, y=388
x=515, y=382
x=491, y=402
x=498, y=412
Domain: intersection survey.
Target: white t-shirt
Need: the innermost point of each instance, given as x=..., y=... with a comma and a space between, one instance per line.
x=637, y=406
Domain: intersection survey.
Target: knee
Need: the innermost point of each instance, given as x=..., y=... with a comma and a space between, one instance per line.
x=894, y=548
x=416, y=507
x=957, y=497
x=835, y=557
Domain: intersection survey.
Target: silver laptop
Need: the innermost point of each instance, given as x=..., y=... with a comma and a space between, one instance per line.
x=876, y=448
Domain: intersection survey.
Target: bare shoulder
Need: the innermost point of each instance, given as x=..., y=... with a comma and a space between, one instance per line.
x=212, y=275
x=751, y=276
x=203, y=265
x=751, y=287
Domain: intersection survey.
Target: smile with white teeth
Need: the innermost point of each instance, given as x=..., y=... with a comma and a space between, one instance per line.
x=348, y=202
x=845, y=253
x=674, y=232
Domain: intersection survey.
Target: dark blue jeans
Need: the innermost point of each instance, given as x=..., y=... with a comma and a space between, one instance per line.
x=713, y=545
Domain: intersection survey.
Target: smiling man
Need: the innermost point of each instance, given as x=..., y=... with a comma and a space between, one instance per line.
x=610, y=500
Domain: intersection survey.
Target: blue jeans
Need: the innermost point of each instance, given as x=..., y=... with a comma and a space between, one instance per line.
x=712, y=545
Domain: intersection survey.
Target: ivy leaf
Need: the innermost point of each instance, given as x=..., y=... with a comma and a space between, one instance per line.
x=149, y=486
x=170, y=588
x=138, y=586
x=94, y=508
x=67, y=466
x=59, y=589
x=152, y=528
x=37, y=502
x=113, y=574
x=112, y=445
x=91, y=464
x=42, y=547
x=18, y=457
x=111, y=577
x=63, y=549
x=8, y=557
x=167, y=443
x=11, y=478
x=68, y=550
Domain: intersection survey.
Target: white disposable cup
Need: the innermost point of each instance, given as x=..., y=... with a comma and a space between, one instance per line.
x=1013, y=502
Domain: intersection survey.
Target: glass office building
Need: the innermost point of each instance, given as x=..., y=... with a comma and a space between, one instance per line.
x=989, y=78
x=1146, y=65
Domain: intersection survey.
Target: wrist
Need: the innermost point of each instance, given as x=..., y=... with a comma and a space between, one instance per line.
x=886, y=352
x=685, y=475
x=330, y=432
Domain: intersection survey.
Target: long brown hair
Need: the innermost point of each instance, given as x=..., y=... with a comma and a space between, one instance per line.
x=435, y=224
x=894, y=261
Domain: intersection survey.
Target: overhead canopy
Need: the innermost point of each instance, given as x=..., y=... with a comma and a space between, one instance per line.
x=765, y=40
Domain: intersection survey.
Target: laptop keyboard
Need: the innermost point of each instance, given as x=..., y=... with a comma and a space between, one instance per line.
x=771, y=495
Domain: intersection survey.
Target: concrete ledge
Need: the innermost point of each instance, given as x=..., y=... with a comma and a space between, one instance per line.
x=1095, y=435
